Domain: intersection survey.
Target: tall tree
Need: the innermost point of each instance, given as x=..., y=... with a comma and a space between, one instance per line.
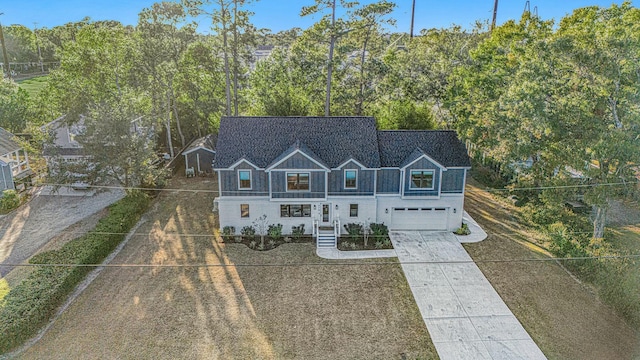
x=121, y=144
x=273, y=89
x=367, y=24
x=600, y=49
x=231, y=22
x=14, y=106
x=336, y=28
x=566, y=99
x=162, y=41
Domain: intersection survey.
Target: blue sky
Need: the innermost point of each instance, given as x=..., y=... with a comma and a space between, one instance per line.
x=284, y=14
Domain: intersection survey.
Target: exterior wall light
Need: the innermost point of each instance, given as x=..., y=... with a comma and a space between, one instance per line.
x=386, y=211
x=454, y=210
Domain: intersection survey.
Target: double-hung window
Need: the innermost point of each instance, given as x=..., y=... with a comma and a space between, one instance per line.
x=353, y=210
x=421, y=179
x=350, y=179
x=244, y=179
x=244, y=210
x=297, y=181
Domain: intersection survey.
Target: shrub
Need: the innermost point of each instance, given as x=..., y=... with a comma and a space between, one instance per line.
x=379, y=244
x=29, y=305
x=228, y=230
x=275, y=231
x=252, y=244
x=463, y=230
x=9, y=200
x=353, y=229
x=379, y=230
x=297, y=231
x=248, y=232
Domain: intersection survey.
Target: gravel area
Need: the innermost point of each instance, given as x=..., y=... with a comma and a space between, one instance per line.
x=24, y=231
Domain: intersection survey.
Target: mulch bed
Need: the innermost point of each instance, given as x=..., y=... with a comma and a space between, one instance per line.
x=253, y=242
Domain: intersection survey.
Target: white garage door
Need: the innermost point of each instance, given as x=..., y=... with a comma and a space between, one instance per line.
x=410, y=218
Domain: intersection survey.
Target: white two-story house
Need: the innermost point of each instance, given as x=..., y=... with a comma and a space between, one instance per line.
x=328, y=171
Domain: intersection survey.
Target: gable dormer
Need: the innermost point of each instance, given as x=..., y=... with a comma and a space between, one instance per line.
x=351, y=178
x=421, y=175
x=298, y=156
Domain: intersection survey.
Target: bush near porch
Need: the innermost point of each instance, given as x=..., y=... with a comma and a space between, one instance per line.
x=362, y=237
x=272, y=239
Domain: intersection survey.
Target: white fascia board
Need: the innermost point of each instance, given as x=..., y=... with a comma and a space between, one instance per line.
x=198, y=148
x=297, y=151
x=233, y=166
x=351, y=160
x=425, y=156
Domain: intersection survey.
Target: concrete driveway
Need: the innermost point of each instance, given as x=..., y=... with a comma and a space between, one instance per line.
x=465, y=316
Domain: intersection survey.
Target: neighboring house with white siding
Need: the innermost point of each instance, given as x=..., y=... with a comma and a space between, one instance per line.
x=328, y=171
x=15, y=171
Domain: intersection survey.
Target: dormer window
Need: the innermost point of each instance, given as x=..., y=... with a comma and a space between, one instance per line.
x=244, y=179
x=350, y=179
x=297, y=181
x=421, y=180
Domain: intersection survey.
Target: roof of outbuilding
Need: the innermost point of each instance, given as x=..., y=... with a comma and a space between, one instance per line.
x=7, y=144
x=442, y=146
x=261, y=140
x=206, y=142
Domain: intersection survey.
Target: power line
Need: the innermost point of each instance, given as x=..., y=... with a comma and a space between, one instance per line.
x=214, y=235
x=197, y=191
x=379, y=263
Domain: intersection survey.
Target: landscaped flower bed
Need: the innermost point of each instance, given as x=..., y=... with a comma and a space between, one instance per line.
x=272, y=239
x=361, y=237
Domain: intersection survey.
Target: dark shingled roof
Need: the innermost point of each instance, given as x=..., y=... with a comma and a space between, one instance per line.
x=331, y=141
x=442, y=146
x=205, y=142
x=261, y=140
x=304, y=149
x=7, y=144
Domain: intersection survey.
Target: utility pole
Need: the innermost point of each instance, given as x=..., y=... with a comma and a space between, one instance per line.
x=4, y=53
x=413, y=13
x=35, y=32
x=495, y=14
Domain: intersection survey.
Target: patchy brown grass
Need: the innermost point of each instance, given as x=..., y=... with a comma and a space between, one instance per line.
x=271, y=311
x=563, y=316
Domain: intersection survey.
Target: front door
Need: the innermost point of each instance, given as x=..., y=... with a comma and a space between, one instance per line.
x=325, y=213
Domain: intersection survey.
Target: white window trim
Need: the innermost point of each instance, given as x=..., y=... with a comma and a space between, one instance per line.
x=250, y=179
x=344, y=182
x=433, y=178
x=357, y=210
x=286, y=180
x=248, y=212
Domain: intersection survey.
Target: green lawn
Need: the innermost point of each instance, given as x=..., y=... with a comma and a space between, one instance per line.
x=34, y=85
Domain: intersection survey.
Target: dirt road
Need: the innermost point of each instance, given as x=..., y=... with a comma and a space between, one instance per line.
x=34, y=224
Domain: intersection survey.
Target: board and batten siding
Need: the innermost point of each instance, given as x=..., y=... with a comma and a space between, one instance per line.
x=200, y=160
x=316, y=185
x=453, y=181
x=6, y=178
x=422, y=164
x=229, y=182
x=388, y=181
x=298, y=161
x=365, y=184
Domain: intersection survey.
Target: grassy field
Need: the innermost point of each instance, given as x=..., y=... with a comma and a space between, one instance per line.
x=34, y=85
x=276, y=309
x=564, y=317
